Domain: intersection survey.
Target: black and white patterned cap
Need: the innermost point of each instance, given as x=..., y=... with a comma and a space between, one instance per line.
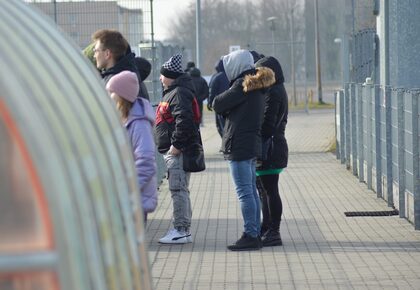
x=173, y=67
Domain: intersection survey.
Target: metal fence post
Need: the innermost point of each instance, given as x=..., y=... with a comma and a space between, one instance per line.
x=416, y=158
x=347, y=123
x=342, y=124
x=388, y=134
x=378, y=148
x=369, y=135
x=360, y=103
x=353, y=125
x=401, y=152
x=338, y=124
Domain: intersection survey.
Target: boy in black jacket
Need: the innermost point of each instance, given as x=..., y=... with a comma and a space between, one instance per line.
x=177, y=122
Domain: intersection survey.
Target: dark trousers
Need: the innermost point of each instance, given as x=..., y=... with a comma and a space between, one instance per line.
x=271, y=205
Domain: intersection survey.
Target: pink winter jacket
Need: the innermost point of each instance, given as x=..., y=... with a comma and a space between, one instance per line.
x=140, y=131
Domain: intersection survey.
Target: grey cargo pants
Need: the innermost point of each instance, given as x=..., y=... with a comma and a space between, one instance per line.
x=178, y=181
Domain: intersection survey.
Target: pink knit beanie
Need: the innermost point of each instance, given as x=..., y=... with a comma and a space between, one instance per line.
x=125, y=84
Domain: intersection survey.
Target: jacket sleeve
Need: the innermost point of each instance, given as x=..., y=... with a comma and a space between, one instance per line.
x=143, y=151
x=275, y=109
x=212, y=89
x=143, y=91
x=204, y=90
x=228, y=100
x=181, y=109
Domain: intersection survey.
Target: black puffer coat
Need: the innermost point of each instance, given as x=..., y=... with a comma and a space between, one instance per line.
x=275, y=116
x=243, y=107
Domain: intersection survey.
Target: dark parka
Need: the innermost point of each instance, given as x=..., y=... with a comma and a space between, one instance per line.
x=243, y=106
x=176, y=123
x=275, y=116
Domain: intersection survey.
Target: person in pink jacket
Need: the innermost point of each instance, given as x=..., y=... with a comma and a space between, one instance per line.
x=137, y=116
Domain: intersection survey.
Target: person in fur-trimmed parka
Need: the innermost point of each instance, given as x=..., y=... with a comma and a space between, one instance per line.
x=243, y=107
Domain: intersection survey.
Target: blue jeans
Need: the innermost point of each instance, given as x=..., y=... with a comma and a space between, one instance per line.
x=243, y=175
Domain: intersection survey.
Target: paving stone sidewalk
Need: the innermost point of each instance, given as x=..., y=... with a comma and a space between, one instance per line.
x=322, y=248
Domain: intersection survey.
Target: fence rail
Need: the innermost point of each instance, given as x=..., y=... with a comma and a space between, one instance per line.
x=378, y=139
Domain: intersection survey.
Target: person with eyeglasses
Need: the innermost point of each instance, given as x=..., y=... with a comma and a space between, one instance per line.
x=113, y=55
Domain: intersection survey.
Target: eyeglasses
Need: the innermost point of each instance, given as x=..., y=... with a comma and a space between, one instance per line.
x=95, y=50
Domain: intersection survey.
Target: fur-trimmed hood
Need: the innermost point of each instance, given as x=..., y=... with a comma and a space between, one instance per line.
x=264, y=78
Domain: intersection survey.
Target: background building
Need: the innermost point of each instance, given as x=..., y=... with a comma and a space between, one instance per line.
x=80, y=19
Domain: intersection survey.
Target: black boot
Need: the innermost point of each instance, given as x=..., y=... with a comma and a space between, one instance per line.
x=271, y=238
x=246, y=243
x=263, y=230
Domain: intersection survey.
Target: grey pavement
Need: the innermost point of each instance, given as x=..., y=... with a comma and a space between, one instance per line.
x=323, y=249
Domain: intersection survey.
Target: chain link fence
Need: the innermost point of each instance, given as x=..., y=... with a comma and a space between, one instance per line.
x=378, y=139
x=363, y=56
x=377, y=111
x=133, y=18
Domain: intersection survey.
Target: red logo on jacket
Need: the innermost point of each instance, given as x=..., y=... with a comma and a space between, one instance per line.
x=163, y=113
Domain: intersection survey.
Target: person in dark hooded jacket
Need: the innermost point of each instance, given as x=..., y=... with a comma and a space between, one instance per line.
x=276, y=155
x=200, y=85
x=177, y=126
x=243, y=107
x=144, y=67
x=218, y=84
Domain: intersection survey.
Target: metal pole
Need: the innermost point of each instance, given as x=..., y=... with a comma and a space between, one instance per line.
x=386, y=44
x=292, y=47
x=401, y=152
x=347, y=120
x=388, y=144
x=415, y=96
x=341, y=57
x=353, y=43
x=342, y=127
x=272, y=28
x=306, y=77
x=378, y=146
x=198, y=32
x=272, y=39
x=55, y=11
x=152, y=39
x=317, y=56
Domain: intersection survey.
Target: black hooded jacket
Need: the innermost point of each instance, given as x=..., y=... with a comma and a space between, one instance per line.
x=218, y=83
x=177, y=116
x=275, y=116
x=127, y=62
x=242, y=105
x=200, y=84
x=124, y=63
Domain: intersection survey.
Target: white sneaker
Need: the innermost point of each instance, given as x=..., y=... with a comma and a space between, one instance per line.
x=189, y=238
x=176, y=237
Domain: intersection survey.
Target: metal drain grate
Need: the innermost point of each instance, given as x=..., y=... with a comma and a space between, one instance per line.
x=371, y=213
